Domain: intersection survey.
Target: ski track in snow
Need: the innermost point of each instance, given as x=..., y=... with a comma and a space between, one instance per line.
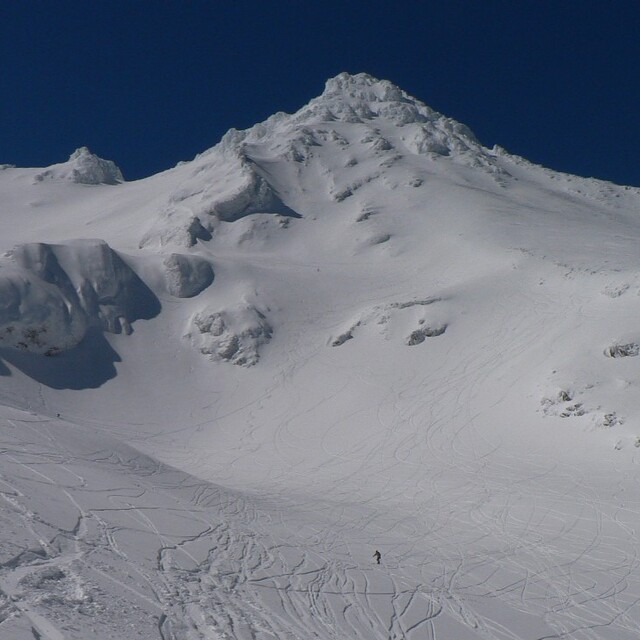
x=480, y=529
x=182, y=499
x=215, y=582
x=465, y=531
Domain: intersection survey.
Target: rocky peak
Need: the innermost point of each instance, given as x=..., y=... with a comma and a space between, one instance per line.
x=83, y=167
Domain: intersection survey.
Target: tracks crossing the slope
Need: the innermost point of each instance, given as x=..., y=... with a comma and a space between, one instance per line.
x=477, y=543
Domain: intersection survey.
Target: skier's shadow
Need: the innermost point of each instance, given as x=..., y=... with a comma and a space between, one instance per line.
x=87, y=366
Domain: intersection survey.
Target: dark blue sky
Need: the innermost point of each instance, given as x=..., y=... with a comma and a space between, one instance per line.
x=147, y=83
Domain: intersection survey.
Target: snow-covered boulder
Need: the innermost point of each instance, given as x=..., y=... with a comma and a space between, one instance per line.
x=622, y=350
x=186, y=276
x=418, y=336
x=232, y=335
x=83, y=167
x=50, y=295
x=396, y=318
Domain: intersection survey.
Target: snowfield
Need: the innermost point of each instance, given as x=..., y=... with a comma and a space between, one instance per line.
x=349, y=329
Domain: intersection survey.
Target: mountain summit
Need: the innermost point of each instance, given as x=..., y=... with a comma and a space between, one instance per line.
x=347, y=374
x=363, y=99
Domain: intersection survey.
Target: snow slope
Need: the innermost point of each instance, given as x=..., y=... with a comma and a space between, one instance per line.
x=345, y=329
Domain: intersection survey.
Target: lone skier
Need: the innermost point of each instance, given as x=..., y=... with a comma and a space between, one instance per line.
x=377, y=555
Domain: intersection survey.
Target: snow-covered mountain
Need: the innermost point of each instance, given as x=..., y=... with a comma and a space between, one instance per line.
x=347, y=329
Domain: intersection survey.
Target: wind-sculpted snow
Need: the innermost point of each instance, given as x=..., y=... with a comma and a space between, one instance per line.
x=253, y=195
x=225, y=188
x=50, y=295
x=83, y=167
x=232, y=335
x=395, y=317
x=187, y=276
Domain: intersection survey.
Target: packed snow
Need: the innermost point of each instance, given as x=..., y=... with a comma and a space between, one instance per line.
x=345, y=330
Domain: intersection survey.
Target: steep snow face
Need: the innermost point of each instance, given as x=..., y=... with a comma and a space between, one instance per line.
x=83, y=167
x=226, y=187
x=342, y=140
x=50, y=295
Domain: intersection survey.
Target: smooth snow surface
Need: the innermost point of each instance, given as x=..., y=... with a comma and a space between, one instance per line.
x=349, y=329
